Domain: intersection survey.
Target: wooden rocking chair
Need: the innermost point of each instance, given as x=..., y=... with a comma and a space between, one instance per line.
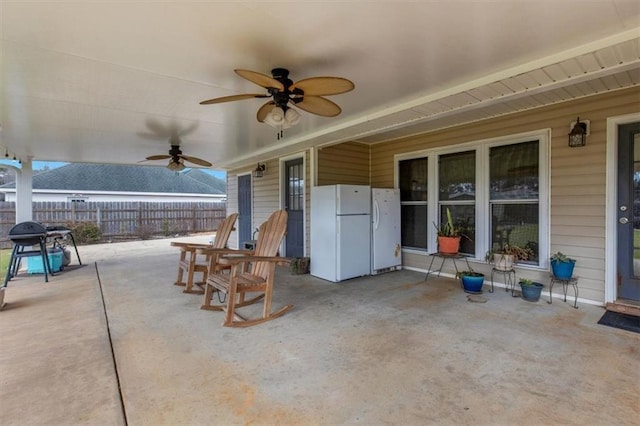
x=189, y=256
x=250, y=273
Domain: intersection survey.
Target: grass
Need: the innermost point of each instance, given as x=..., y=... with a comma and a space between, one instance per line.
x=5, y=254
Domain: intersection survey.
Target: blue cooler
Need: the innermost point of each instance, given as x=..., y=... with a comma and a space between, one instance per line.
x=35, y=266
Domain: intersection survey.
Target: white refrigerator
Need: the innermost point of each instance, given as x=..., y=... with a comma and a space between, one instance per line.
x=340, y=231
x=386, y=248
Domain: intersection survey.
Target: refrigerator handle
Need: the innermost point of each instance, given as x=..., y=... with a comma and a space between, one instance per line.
x=376, y=214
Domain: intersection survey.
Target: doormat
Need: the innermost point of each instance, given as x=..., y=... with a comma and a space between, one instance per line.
x=623, y=321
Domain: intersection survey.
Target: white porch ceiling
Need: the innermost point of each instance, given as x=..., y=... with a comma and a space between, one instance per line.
x=89, y=81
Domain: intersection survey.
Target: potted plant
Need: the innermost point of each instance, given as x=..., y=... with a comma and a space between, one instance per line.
x=562, y=265
x=448, y=236
x=472, y=281
x=530, y=290
x=504, y=257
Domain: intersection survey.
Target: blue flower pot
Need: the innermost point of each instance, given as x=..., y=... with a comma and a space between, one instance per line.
x=472, y=284
x=563, y=270
x=531, y=293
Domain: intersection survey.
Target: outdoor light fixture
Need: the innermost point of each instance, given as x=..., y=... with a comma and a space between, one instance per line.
x=260, y=170
x=578, y=133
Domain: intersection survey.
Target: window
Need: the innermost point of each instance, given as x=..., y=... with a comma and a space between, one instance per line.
x=457, y=192
x=77, y=199
x=413, y=202
x=514, y=191
x=496, y=190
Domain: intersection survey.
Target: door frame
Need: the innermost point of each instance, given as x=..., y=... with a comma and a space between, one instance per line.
x=237, y=233
x=611, y=239
x=281, y=202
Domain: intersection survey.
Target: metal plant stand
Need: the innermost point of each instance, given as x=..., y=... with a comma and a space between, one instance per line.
x=509, y=281
x=444, y=257
x=573, y=281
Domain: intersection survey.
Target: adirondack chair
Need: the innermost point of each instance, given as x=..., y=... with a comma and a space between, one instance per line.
x=189, y=261
x=250, y=273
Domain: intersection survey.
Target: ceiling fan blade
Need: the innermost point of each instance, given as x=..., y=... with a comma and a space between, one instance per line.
x=196, y=160
x=321, y=86
x=319, y=106
x=233, y=98
x=264, y=110
x=158, y=157
x=260, y=79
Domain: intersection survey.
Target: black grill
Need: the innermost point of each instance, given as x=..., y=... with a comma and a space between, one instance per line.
x=24, y=235
x=28, y=233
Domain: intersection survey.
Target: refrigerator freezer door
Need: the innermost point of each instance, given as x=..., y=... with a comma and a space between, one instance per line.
x=353, y=199
x=353, y=246
x=385, y=235
x=323, y=233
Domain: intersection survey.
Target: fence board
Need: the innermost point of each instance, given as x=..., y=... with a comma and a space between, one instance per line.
x=122, y=219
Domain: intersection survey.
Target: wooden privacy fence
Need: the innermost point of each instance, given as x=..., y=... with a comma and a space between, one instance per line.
x=121, y=219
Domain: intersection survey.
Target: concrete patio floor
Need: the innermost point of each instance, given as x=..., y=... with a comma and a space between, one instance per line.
x=389, y=349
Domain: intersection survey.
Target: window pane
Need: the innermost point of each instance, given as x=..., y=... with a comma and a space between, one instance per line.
x=514, y=171
x=515, y=224
x=413, y=179
x=414, y=226
x=464, y=218
x=457, y=176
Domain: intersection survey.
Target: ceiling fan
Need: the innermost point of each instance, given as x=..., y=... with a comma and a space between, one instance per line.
x=176, y=158
x=306, y=94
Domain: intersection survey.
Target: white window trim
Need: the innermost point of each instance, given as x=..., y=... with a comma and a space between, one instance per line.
x=482, y=184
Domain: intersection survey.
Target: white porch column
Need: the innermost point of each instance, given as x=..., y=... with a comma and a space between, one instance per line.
x=24, y=192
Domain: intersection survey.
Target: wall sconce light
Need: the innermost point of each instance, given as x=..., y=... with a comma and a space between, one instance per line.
x=260, y=170
x=579, y=130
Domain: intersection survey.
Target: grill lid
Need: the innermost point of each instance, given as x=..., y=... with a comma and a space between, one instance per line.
x=27, y=233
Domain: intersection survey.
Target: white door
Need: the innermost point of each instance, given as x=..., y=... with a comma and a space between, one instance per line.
x=353, y=246
x=386, y=232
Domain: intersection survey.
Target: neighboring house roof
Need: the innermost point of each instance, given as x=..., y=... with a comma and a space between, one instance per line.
x=122, y=178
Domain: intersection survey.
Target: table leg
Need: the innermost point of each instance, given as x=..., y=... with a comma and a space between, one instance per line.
x=429, y=270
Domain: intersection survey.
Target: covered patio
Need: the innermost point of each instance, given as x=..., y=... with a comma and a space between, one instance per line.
x=115, y=342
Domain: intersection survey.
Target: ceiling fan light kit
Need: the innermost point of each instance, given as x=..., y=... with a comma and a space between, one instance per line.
x=176, y=158
x=306, y=94
x=175, y=166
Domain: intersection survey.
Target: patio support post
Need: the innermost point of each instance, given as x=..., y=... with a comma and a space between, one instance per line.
x=24, y=191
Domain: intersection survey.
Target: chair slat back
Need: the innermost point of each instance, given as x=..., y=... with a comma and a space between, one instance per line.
x=224, y=231
x=270, y=236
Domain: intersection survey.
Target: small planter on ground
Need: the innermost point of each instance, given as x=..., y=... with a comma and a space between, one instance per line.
x=530, y=290
x=471, y=281
x=299, y=265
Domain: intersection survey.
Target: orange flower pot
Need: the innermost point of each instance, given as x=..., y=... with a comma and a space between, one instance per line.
x=448, y=245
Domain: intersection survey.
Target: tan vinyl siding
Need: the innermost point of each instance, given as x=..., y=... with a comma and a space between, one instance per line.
x=266, y=193
x=347, y=163
x=578, y=177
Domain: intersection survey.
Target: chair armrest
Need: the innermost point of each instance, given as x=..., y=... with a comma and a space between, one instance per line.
x=211, y=250
x=235, y=260
x=188, y=245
